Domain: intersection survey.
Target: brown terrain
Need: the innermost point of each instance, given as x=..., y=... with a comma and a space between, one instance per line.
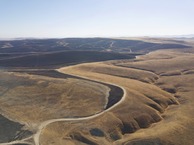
x=159, y=90
x=143, y=101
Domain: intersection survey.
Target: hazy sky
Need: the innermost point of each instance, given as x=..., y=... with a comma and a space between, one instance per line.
x=89, y=18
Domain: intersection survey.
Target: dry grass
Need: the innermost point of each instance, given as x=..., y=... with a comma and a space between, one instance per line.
x=31, y=99
x=157, y=108
x=162, y=62
x=141, y=107
x=177, y=126
x=145, y=103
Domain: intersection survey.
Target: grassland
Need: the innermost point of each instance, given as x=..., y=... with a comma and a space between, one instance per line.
x=32, y=99
x=147, y=100
x=145, y=103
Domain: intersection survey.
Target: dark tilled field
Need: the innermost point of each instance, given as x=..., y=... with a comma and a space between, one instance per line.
x=56, y=59
x=52, y=53
x=83, y=44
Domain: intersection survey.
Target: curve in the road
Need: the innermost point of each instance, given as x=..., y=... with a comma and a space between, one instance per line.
x=44, y=124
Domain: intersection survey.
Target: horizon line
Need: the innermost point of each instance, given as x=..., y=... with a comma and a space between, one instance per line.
x=135, y=36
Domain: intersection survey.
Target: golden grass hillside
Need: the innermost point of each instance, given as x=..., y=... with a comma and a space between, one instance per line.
x=144, y=103
x=32, y=99
x=175, y=71
x=156, y=107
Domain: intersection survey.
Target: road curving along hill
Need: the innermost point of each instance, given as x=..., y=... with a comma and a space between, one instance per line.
x=123, y=118
x=56, y=100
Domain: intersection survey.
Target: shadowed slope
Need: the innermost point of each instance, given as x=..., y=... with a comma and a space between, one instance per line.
x=10, y=130
x=57, y=59
x=176, y=76
x=141, y=107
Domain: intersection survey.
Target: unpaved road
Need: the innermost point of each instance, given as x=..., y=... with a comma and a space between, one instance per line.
x=41, y=127
x=44, y=124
